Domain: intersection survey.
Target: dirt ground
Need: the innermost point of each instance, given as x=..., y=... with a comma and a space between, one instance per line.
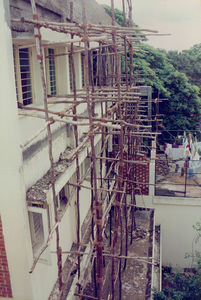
x=136, y=278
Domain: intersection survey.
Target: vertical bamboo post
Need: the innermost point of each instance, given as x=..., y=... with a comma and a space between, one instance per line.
x=130, y=18
x=40, y=58
x=76, y=142
x=98, y=204
x=124, y=12
x=117, y=214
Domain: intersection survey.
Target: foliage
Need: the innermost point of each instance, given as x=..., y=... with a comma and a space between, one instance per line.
x=181, y=111
x=117, y=13
x=167, y=73
x=181, y=287
x=188, y=62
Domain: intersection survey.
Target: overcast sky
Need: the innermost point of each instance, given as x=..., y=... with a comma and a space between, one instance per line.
x=181, y=18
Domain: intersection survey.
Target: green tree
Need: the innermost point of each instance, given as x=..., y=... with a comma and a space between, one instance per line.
x=164, y=72
x=182, y=111
x=180, y=287
x=117, y=13
x=188, y=62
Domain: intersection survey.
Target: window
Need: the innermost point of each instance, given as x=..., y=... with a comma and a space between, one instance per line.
x=39, y=229
x=82, y=68
x=23, y=75
x=37, y=232
x=87, y=167
x=63, y=198
x=51, y=71
x=70, y=74
x=84, y=167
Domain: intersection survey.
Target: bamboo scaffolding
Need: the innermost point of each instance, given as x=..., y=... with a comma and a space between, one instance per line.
x=143, y=259
x=122, y=118
x=98, y=205
x=42, y=72
x=89, y=27
x=74, y=110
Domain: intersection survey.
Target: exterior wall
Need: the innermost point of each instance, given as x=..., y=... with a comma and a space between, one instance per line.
x=56, y=10
x=44, y=275
x=47, y=265
x=21, y=169
x=5, y=284
x=12, y=194
x=38, y=151
x=176, y=217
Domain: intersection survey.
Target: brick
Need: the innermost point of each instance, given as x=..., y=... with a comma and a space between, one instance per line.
x=5, y=285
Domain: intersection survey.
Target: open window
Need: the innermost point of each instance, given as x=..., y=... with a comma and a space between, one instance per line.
x=63, y=198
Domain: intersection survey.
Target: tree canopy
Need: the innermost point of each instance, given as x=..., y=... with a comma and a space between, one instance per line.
x=188, y=62
x=172, y=75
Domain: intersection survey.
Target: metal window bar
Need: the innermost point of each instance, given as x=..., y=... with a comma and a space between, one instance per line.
x=15, y=71
x=82, y=68
x=25, y=73
x=70, y=76
x=52, y=71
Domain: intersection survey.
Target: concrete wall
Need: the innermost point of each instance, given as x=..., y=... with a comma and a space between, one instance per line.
x=44, y=276
x=37, y=150
x=47, y=265
x=15, y=131
x=176, y=217
x=12, y=194
x=20, y=169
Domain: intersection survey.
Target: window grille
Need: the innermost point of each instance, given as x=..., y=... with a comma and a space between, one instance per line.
x=15, y=70
x=37, y=231
x=52, y=71
x=23, y=76
x=82, y=68
x=70, y=75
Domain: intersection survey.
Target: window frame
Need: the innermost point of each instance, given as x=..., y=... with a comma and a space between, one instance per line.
x=82, y=69
x=18, y=78
x=45, y=257
x=47, y=65
x=66, y=191
x=71, y=85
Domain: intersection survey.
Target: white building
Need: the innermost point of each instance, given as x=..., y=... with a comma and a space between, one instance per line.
x=26, y=208
x=26, y=204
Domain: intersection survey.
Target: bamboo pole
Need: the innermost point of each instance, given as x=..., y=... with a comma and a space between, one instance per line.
x=75, y=128
x=42, y=73
x=99, y=240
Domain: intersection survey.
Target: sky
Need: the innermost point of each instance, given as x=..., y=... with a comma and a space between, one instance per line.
x=180, y=18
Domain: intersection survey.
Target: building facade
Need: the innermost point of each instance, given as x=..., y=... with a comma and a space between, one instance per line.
x=27, y=215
